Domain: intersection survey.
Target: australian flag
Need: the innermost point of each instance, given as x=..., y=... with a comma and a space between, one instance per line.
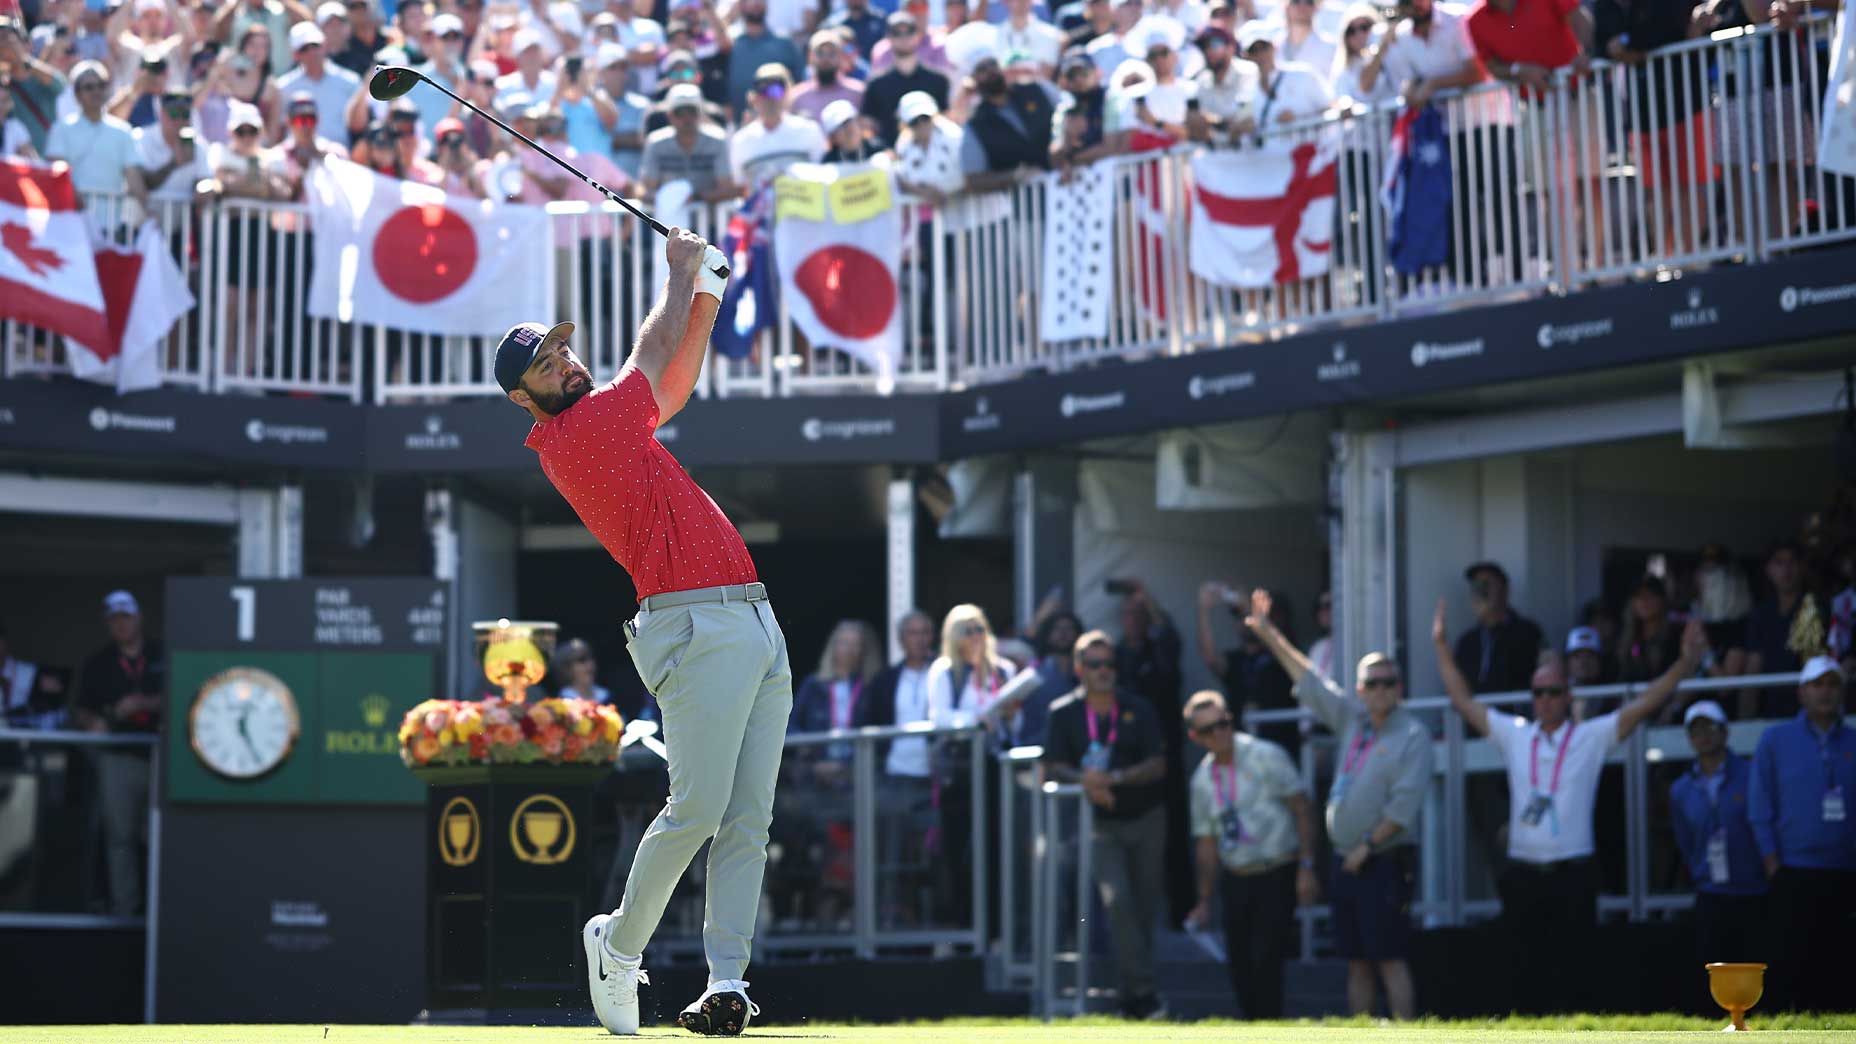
x=748, y=303
x=1417, y=191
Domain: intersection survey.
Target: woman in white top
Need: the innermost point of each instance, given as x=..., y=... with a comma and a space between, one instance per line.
x=1360, y=26
x=963, y=687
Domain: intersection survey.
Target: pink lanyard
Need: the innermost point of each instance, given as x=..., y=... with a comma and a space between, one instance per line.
x=850, y=713
x=1218, y=785
x=992, y=693
x=1114, y=728
x=1356, y=753
x=1533, y=760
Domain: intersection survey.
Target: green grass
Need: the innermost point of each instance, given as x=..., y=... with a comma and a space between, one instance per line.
x=1639, y=1029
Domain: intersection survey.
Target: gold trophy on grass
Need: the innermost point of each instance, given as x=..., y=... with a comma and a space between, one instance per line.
x=515, y=653
x=1737, y=987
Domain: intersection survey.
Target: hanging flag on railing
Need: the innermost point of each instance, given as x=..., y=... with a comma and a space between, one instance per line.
x=405, y=256
x=837, y=238
x=748, y=303
x=1079, y=241
x=1836, y=142
x=1150, y=205
x=1262, y=217
x=1417, y=191
x=48, y=277
x=144, y=295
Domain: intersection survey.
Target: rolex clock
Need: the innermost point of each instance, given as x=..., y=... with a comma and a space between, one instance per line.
x=243, y=723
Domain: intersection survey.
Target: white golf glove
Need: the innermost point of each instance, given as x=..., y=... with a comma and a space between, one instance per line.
x=707, y=282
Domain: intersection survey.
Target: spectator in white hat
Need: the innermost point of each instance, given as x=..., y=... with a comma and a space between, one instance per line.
x=1708, y=809
x=928, y=150
x=844, y=132
x=1289, y=91
x=1804, y=782
x=1586, y=666
x=143, y=29
x=776, y=139
x=532, y=76
x=444, y=65
x=1110, y=49
x=827, y=83
x=332, y=19
x=1550, y=887
x=1302, y=42
x=120, y=692
x=99, y=147
x=688, y=150
x=329, y=84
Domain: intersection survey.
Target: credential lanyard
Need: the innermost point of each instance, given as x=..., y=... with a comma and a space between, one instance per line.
x=1114, y=727
x=1559, y=760
x=1219, y=786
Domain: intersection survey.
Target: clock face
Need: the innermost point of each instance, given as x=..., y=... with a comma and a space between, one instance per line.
x=243, y=723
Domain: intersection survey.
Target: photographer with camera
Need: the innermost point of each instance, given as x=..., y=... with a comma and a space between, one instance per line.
x=136, y=101
x=169, y=152
x=464, y=169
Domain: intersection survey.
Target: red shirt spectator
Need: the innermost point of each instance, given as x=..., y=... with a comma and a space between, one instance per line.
x=633, y=496
x=1510, y=35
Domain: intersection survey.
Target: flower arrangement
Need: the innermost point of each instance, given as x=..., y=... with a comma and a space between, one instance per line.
x=495, y=731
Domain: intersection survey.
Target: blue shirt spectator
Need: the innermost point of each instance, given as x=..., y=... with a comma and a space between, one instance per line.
x=1704, y=803
x=1804, y=777
x=754, y=49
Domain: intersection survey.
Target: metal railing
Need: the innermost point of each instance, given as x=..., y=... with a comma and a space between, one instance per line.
x=1049, y=960
x=1699, y=154
x=848, y=865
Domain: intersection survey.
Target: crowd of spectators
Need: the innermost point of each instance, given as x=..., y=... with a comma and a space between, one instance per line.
x=137, y=93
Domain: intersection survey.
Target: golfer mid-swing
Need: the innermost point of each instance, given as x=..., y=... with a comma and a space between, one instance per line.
x=705, y=640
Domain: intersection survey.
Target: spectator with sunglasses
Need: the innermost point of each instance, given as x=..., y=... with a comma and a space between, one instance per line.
x=681, y=67
x=906, y=74
x=688, y=149
x=99, y=147
x=751, y=49
x=577, y=673
x=1372, y=812
x=1111, y=743
x=1550, y=886
x=1227, y=90
x=170, y=151
x=775, y=140
x=302, y=148
x=1254, y=849
x=403, y=123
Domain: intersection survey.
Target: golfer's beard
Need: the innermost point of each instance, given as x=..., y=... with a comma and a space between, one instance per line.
x=553, y=404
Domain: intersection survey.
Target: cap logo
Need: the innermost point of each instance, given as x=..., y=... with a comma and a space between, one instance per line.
x=524, y=335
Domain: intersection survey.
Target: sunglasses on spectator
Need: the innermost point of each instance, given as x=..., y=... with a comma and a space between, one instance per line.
x=455, y=140
x=771, y=88
x=1214, y=725
x=1542, y=692
x=681, y=72
x=919, y=120
x=902, y=30
x=1096, y=663
x=451, y=35
x=89, y=85
x=177, y=110
x=247, y=131
x=1359, y=27
x=303, y=119
x=1380, y=681
x=969, y=630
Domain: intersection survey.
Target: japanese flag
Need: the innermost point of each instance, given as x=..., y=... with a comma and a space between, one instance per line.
x=404, y=255
x=837, y=240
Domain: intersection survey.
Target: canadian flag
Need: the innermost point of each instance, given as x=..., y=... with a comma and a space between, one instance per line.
x=837, y=240
x=404, y=255
x=1263, y=217
x=48, y=278
x=144, y=295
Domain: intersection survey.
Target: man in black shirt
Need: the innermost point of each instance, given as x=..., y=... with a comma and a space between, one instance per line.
x=884, y=93
x=1500, y=653
x=1008, y=137
x=1112, y=745
x=121, y=692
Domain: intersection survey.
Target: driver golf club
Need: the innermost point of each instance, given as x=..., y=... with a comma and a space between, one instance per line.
x=392, y=81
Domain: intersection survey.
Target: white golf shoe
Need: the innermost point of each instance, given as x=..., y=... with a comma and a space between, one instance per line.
x=723, y=1010
x=612, y=982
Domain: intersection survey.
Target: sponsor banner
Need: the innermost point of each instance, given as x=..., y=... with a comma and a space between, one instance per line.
x=81, y=418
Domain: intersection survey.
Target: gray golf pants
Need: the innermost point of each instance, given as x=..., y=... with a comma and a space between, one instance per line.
x=721, y=677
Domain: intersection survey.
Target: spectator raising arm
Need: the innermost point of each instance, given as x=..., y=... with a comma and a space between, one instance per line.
x=1461, y=697
x=1694, y=649
x=1211, y=594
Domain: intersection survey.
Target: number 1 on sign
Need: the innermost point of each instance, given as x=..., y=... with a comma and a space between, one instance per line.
x=247, y=599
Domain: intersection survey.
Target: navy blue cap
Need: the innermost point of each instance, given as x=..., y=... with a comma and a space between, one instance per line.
x=519, y=348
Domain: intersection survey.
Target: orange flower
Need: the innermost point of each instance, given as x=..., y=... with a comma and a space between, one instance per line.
x=424, y=748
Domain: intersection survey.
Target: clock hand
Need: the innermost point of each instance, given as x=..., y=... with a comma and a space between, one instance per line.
x=244, y=733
